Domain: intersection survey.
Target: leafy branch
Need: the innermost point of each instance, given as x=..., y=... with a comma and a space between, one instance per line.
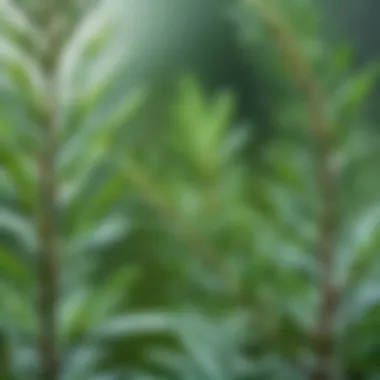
x=187, y=230
x=48, y=265
x=327, y=181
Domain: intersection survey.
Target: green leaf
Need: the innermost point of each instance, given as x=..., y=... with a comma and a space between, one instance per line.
x=341, y=61
x=136, y=324
x=16, y=26
x=17, y=310
x=20, y=172
x=351, y=96
x=86, y=311
x=358, y=248
x=96, y=137
x=13, y=268
x=361, y=302
x=20, y=228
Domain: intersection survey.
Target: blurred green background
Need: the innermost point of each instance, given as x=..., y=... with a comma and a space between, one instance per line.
x=178, y=175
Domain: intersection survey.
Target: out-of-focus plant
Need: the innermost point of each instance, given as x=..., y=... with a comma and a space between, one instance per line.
x=159, y=238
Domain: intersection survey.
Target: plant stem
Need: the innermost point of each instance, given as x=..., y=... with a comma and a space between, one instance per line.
x=48, y=270
x=48, y=266
x=324, y=340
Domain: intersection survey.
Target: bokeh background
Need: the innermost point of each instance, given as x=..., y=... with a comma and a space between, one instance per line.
x=157, y=167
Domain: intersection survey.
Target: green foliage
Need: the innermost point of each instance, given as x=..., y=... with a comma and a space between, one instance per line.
x=180, y=259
